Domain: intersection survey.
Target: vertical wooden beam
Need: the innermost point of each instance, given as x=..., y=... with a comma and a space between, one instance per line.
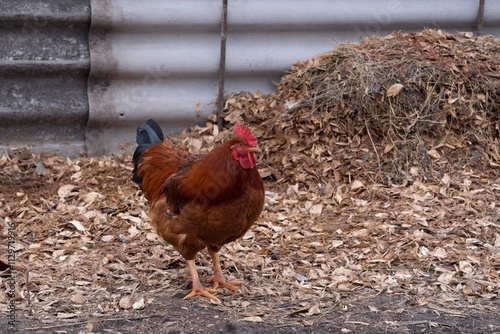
x=480, y=17
x=222, y=65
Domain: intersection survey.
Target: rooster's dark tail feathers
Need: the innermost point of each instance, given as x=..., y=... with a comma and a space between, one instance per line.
x=147, y=134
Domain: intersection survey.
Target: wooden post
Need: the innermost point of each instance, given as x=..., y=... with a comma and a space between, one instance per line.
x=222, y=65
x=480, y=17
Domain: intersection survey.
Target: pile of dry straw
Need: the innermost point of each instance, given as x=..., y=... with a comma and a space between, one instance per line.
x=389, y=109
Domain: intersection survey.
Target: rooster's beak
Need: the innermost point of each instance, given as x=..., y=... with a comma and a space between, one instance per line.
x=254, y=149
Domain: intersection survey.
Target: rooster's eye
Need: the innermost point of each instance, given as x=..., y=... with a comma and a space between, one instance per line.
x=240, y=145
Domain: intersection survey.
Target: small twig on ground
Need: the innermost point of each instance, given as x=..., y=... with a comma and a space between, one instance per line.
x=375, y=149
x=30, y=312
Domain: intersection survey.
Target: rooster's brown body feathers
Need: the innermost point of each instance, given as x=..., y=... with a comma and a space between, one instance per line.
x=197, y=201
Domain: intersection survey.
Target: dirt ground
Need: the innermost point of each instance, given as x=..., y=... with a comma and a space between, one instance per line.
x=174, y=315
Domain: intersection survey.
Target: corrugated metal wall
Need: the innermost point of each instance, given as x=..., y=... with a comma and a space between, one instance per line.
x=160, y=58
x=44, y=66
x=150, y=59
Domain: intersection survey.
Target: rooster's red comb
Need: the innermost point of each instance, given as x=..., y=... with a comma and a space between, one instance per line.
x=243, y=131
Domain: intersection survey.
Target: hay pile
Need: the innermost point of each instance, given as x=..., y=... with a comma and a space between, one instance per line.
x=389, y=109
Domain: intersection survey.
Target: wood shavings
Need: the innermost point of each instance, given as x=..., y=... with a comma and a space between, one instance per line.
x=394, y=90
x=79, y=226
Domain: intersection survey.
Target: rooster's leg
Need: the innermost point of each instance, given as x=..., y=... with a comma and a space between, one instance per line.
x=198, y=289
x=218, y=279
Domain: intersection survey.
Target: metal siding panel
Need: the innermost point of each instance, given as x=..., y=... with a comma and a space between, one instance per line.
x=44, y=65
x=156, y=59
x=132, y=16
x=492, y=17
x=299, y=14
x=161, y=58
x=141, y=54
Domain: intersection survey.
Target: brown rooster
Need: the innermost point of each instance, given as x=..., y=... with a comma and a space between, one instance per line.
x=200, y=201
